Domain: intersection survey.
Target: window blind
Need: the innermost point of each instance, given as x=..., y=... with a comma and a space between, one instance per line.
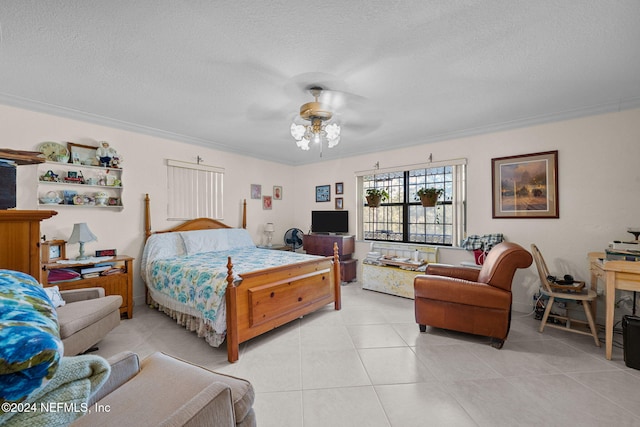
x=194, y=191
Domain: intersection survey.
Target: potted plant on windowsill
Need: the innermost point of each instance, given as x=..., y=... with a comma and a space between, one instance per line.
x=375, y=196
x=428, y=196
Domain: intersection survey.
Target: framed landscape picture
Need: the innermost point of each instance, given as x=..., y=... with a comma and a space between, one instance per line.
x=525, y=186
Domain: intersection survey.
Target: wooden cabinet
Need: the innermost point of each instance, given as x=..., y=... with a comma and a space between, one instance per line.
x=113, y=284
x=322, y=244
x=20, y=240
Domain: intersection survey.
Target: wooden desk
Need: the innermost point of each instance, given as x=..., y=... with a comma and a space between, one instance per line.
x=624, y=275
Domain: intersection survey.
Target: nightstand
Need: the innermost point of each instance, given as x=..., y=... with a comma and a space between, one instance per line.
x=114, y=284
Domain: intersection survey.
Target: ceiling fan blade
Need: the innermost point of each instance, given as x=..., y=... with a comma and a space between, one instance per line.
x=335, y=91
x=362, y=128
x=258, y=112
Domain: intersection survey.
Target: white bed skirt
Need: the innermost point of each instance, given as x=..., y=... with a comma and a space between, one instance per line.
x=213, y=333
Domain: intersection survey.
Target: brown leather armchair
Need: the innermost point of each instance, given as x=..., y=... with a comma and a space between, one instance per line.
x=470, y=300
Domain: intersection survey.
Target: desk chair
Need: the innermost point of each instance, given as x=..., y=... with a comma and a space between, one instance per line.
x=584, y=297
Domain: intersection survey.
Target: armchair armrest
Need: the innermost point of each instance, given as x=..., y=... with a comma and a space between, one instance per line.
x=124, y=366
x=464, y=273
x=212, y=403
x=84, y=294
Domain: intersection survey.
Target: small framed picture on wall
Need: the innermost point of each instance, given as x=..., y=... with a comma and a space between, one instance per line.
x=266, y=202
x=256, y=191
x=339, y=188
x=323, y=193
x=277, y=192
x=339, y=204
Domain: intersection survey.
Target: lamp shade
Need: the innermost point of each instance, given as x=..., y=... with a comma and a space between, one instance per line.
x=81, y=234
x=269, y=228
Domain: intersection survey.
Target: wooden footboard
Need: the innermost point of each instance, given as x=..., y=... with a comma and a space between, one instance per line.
x=266, y=299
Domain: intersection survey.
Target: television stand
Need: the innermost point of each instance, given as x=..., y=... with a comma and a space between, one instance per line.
x=322, y=244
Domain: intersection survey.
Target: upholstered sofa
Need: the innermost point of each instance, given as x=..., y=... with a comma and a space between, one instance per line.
x=86, y=318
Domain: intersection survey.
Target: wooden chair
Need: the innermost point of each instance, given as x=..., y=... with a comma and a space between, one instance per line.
x=577, y=294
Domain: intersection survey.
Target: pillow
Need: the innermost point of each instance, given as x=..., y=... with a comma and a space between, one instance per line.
x=222, y=239
x=30, y=344
x=239, y=238
x=199, y=241
x=53, y=293
x=160, y=246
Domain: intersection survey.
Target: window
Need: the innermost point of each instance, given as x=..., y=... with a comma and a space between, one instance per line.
x=195, y=191
x=402, y=218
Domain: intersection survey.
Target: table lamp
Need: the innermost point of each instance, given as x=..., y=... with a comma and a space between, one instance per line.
x=269, y=229
x=81, y=234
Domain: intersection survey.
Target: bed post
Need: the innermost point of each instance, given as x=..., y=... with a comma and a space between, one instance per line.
x=231, y=296
x=336, y=277
x=147, y=218
x=244, y=214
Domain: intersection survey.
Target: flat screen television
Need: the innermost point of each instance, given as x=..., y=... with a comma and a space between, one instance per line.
x=330, y=222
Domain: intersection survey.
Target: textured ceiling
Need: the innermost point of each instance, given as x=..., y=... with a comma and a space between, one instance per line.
x=231, y=75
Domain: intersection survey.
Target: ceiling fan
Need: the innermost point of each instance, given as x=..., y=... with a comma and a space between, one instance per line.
x=333, y=112
x=317, y=126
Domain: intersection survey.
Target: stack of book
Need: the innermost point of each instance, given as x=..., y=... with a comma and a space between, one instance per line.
x=622, y=255
x=96, y=270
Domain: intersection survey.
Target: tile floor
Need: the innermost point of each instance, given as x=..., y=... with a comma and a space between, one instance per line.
x=368, y=365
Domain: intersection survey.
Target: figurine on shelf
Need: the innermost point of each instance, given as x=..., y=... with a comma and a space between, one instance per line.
x=116, y=160
x=49, y=176
x=108, y=156
x=102, y=154
x=101, y=198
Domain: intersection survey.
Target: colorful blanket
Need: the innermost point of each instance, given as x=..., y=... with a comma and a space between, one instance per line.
x=485, y=242
x=30, y=344
x=199, y=280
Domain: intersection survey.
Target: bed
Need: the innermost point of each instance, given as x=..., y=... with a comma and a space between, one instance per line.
x=213, y=280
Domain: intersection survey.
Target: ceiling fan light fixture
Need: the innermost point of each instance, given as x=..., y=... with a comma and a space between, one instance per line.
x=318, y=130
x=297, y=131
x=303, y=144
x=333, y=134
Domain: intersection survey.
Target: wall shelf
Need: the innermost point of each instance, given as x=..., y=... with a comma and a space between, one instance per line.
x=97, y=180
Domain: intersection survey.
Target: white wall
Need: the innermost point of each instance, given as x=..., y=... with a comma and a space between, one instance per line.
x=599, y=194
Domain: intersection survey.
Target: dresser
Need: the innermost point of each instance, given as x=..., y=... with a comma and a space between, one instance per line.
x=20, y=237
x=322, y=244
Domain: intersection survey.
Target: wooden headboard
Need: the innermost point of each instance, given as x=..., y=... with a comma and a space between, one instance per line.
x=192, y=224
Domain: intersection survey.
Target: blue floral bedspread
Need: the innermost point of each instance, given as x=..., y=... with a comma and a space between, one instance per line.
x=199, y=280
